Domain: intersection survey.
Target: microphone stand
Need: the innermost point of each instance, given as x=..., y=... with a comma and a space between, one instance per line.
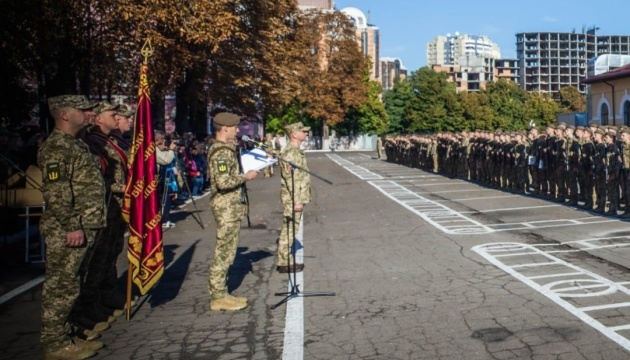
x=292, y=275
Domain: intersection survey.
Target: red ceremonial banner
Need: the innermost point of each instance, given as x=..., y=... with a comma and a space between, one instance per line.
x=141, y=201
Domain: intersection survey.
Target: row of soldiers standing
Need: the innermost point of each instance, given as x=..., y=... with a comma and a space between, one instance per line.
x=84, y=165
x=563, y=163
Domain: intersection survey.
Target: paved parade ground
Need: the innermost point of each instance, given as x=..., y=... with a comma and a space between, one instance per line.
x=423, y=267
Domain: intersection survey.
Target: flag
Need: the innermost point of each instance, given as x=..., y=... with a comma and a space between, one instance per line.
x=141, y=206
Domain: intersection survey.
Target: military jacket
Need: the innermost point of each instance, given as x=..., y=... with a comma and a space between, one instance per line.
x=300, y=186
x=226, y=182
x=72, y=185
x=114, y=168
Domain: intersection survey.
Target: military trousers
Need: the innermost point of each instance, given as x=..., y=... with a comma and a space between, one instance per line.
x=224, y=254
x=61, y=285
x=102, y=275
x=287, y=236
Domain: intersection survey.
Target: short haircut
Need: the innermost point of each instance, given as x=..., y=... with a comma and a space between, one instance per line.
x=158, y=135
x=217, y=127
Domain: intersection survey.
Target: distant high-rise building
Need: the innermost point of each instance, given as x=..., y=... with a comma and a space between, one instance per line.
x=551, y=60
x=368, y=38
x=448, y=50
x=391, y=69
x=316, y=4
x=507, y=69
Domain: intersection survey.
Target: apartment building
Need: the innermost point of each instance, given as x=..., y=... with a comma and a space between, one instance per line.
x=447, y=50
x=507, y=69
x=391, y=69
x=470, y=74
x=368, y=39
x=316, y=4
x=552, y=60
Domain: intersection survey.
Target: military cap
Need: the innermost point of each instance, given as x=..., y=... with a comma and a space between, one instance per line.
x=227, y=119
x=72, y=101
x=561, y=126
x=600, y=131
x=588, y=130
x=125, y=110
x=593, y=123
x=625, y=130
x=572, y=127
x=103, y=106
x=298, y=126
x=612, y=132
x=580, y=128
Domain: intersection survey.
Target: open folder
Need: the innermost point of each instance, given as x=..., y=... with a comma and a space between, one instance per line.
x=256, y=159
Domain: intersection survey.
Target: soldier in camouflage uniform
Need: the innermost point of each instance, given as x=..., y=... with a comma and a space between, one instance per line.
x=228, y=207
x=294, y=183
x=613, y=167
x=600, y=171
x=74, y=192
x=268, y=171
x=102, y=274
x=625, y=138
x=587, y=165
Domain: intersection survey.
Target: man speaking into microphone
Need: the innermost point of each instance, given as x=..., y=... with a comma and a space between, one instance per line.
x=226, y=185
x=299, y=187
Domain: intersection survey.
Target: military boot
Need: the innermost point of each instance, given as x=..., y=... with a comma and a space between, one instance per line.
x=69, y=352
x=90, y=345
x=237, y=299
x=227, y=304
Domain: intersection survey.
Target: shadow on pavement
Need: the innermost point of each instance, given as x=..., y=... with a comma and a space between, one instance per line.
x=174, y=274
x=243, y=265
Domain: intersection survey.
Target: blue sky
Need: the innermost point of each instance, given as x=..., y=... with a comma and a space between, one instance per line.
x=407, y=25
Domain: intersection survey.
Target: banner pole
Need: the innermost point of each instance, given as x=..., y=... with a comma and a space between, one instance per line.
x=128, y=297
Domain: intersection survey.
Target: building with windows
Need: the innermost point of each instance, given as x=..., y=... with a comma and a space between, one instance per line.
x=507, y=69
x=551, y=60
x=391, y=69
x=609, y=100
x=316, y=4
x=368, y=39
x=448, y=50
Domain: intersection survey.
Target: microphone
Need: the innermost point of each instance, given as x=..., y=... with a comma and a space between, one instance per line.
x=255, y=143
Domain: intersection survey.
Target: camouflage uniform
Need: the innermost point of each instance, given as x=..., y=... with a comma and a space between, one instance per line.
x=300, y=187
x=268, y=171
x=228, y=208
x=102, y=273
x=74, y=192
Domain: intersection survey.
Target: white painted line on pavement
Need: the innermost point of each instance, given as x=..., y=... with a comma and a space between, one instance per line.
x=432, y=212
x=293, y=346
x=358, y=171
x=20, y=289
x=478, y=198
x=508, y=209
x=567, y=292
x=452, y=191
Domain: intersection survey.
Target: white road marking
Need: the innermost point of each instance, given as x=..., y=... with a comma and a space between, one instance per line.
x=359, y=171
x=477, y=198
x=293, y=346
x=452, y=191
x=22, y=288
x=508, y=209
x=432, y=212
x=572, y=284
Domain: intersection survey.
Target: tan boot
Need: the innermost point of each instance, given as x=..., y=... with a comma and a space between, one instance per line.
x=100, y=327
x=69, y=352
x=90, y=345
x=237, y=299
x=91, y=334
x=227, y=304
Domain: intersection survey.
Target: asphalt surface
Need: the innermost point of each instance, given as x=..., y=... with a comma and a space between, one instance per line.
x=423, y=267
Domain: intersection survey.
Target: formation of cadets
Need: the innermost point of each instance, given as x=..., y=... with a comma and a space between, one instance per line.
x=581, y=166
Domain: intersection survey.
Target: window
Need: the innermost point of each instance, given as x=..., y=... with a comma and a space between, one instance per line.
x=603, y=114
x=626, y=113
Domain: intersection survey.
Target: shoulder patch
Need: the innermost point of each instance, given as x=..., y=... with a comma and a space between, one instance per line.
x=222, y=166
x=52, y=171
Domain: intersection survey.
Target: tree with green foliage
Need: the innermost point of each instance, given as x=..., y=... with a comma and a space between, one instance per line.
x=396, y=101
x=571, y=100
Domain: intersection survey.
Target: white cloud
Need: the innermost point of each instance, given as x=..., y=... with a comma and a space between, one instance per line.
x=550, y=19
